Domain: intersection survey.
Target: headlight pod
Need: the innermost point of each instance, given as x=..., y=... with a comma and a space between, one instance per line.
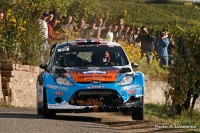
x=63, y=81
x=126, y=80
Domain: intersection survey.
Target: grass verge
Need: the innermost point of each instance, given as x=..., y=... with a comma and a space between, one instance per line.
x=4, y=104
x=159, y=114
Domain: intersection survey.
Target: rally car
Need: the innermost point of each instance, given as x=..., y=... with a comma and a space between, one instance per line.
x=89, y=75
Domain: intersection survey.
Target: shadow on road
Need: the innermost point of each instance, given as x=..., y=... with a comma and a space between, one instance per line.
x=20, y=115
x=119, y=125
x=78, y=118
x=58, y=117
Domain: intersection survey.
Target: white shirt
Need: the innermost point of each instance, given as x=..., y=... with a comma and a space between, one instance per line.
x=110, y=36
x=44, y=28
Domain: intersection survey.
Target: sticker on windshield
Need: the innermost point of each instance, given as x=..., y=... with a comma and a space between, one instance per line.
x=63, y=49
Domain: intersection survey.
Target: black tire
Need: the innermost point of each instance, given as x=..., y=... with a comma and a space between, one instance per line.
x=138, y=113
x=46, y=113
x=39, y=111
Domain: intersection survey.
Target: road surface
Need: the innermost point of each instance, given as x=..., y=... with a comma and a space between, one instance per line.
x=25, y=120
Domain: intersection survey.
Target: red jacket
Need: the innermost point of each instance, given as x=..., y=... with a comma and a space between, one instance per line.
x=50, y=32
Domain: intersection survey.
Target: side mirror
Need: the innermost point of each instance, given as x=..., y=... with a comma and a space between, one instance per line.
x=134, y=65
x=43, y=66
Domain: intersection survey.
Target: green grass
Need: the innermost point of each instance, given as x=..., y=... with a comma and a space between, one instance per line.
x=4, y=104
x=159, y=114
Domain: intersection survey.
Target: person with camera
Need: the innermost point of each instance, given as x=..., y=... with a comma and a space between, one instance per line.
x=146, y=41
x=161, y=46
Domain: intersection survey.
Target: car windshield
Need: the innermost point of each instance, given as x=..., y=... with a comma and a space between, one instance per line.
x=76, y=56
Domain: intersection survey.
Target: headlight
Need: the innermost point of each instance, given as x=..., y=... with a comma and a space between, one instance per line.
x=126, y=80
x=63, y=81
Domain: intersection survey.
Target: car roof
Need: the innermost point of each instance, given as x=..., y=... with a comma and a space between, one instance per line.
x=87, y=41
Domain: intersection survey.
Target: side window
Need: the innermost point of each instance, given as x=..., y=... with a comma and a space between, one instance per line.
x=50, y=62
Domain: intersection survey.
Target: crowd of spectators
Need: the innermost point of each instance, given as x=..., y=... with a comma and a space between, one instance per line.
x=163, y=44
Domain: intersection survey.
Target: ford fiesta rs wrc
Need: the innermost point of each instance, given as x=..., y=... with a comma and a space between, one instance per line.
x=89, y=75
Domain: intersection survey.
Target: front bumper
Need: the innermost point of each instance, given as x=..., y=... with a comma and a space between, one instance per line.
x=125, y=107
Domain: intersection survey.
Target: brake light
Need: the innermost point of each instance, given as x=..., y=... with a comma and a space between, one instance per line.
x=89, y=41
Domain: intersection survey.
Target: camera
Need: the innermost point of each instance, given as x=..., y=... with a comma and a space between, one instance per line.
x=162, y=34
x=142, y=29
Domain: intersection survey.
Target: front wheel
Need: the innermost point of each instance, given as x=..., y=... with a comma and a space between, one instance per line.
x=39, y=98
x=46, y=113
x=138, y=113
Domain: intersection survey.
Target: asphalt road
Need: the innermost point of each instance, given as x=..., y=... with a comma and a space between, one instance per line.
x=23, y=120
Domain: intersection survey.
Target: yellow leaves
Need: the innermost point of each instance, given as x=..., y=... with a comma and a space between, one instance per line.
x=9, y=10
x=21, y=28
x=67, y=33
x=13, y=20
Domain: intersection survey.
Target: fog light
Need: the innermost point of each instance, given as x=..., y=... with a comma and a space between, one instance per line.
x=58, y=99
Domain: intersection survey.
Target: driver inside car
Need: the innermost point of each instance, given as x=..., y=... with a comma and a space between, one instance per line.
x=71, y=60
x=104, y=59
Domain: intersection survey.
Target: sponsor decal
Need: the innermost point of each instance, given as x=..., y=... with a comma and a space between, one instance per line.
x=89, y=76
x=130, y=87
x=52, y=86
x=65, y=105
x=59, y=93
x=95, y=82
x=95, y=72
x=57, y=87
x=131, y=92
x=95, y=87
x=63, y=49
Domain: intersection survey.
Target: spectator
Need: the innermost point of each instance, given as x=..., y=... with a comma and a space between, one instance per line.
x=44, y=29
x=89, y=32
x=165, y=32
x=146, y=40
x=161, y=45
x=114, y=30
x=51, y=25
x=136, y=33
x=170, y=49
x=79, y=28
x=125, y=32
x=107, y=33
x=120, y=22
x=50, y=17
x=1, y=15
x=99, y=24
x=120, y=33
x=130, y=37
x=67, y=26
x=97, y=34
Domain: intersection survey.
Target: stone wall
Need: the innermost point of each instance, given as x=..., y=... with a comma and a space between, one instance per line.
x=18, y=83
x=154, y=91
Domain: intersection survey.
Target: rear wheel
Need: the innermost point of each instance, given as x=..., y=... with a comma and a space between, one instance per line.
x=46, y=113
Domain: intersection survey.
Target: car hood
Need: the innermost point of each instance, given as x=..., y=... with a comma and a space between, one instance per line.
x=102, y=74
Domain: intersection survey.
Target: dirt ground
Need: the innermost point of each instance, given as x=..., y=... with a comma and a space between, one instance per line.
x=124, y=124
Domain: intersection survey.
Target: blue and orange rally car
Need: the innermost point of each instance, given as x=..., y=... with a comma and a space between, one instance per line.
x=89, y=75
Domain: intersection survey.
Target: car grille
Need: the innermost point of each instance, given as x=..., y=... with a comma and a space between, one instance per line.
x=92, y=97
